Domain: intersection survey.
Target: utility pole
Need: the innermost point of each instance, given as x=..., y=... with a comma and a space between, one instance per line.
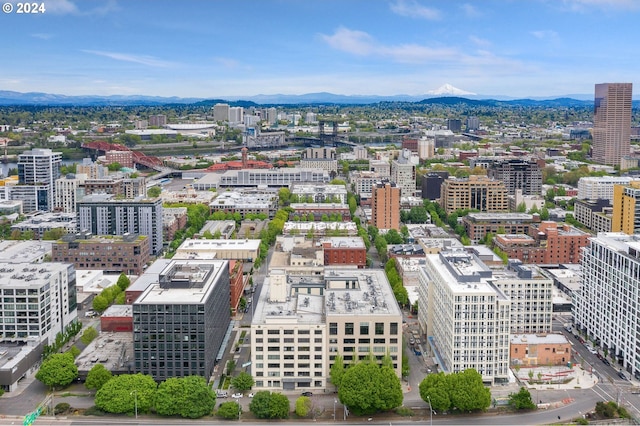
x=430, y=411
x=135, y=401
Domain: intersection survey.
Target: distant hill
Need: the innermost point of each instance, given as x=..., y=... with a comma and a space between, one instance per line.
x=320, y=98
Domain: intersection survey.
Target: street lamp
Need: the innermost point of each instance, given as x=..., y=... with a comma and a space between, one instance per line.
x=334, y=408
x=135, y=401
x=430, y=411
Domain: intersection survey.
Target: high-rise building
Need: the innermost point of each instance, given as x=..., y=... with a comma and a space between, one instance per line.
x=475, y=192
x=221, y=112
x=159, y=120
x=605, y=306
x=467, y=318
x=38, y=301
x=611, y=122
x=38, y=170
x=600, y=187
x=518, y=174
x=385, y=205
x=403, y=173
x=103, y=214
x=181, y=320
x=626, y=208
x=69, y=190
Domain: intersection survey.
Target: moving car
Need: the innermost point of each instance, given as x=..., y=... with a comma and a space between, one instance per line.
x=622, y=375
x=307, y=393
x=237, y=395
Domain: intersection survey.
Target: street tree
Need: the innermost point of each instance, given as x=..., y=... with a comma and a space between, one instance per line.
x=269, y=405
x=97, y=377
x=58, y=370
x=303, y=406
x=123, y=281
x=367, y=388
x=189, y=397
x=242, y=382
x=521, y=400
x=462, y=391
x=229, y=410
x=337, y=371
x=100, y=303
x=126, y=393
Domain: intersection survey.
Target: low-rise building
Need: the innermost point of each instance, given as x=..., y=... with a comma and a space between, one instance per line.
x=539, y=349
x=320, y=211
x=320, y=229
x=247, y=250
x=319, y=193
x=173, y=220
x=127, y=254
x=219, y=229
x=344, y=251
x=39, y=223
x=246, y=202
x=478, y=225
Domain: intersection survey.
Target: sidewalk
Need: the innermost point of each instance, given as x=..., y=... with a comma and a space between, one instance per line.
x=557, y=378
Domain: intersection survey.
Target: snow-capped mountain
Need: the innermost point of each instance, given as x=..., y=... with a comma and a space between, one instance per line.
x=448, y=89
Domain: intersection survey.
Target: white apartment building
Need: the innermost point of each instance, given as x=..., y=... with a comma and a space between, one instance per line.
x=360, y=152
x=38, y=301
x=600, y=187
x=301, y=323
x=605, y=307
x=68, y=190
x=467, y=316
x=320, y=193
x=381, y=167
x=426, y=148
x=363, y=182
x=531, y=297
x=403, y=173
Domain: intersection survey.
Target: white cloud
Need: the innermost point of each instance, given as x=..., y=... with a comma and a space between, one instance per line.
x=137, y=59
x=470, y=10
x=42, y=36
x=544, y=34
x=231, y=64
x=481, y=42
x=413, y=9
x=356, y=42
x=605, y=4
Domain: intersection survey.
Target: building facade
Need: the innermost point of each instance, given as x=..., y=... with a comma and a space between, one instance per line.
x=179, y=323
x=127, y=254
x=474, y=193
x=611, y=123
x=626, y=208
x=403, y=173
x=103, y=214
x=518, y=174
x=38, y=170
x=604, y=307
x=385, y=205
x=344, y=251
x=466, y=317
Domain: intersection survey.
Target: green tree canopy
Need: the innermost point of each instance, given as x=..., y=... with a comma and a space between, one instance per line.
x=521, y=400
x=121, y=394
x=462, y=391
x=337, y=371
x=303, y=406
x=97, y=377
x=269, y=405
x=242, y=382
x=58, y=370
x=100, y=303
x=367, y=388
x=123, y=281
x=154, y=191
x=189, y=397
x=229, y=410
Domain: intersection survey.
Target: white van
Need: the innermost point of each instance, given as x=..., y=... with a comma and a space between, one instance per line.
x=221, y=393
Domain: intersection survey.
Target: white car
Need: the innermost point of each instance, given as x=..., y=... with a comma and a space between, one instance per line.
x=251, y=395
x=237, y=395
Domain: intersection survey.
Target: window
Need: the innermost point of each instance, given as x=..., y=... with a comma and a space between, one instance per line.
x=364, y=328
x=333, y=328
x=393, y=327
x=379, y=328
x=348, y=328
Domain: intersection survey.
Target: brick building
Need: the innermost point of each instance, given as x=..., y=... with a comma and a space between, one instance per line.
x=475, y=192
x=539, y=349
x=478, y=225
x=110, y=253
x=345, y=251
x=173, y=220
x=547, y=243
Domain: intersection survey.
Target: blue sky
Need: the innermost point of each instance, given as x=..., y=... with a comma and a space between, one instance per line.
x=219, y=48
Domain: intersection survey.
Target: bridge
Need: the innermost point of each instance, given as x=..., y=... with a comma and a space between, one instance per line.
x=101, y=147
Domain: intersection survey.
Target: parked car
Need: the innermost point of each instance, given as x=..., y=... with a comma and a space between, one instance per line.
x=622, y=375
x=251, y=395
x=221, y=394
x=307, y=393
x=605, y=361
x=237, y=395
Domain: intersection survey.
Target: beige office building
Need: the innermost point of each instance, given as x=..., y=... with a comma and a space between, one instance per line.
x=475, y=192
x=301, y=323
x=612, y=123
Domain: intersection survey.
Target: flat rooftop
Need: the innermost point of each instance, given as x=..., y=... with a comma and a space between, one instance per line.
x=14, y=251
x=113, y=350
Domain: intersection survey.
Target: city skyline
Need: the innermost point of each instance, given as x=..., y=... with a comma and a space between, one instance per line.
x=220, y=49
